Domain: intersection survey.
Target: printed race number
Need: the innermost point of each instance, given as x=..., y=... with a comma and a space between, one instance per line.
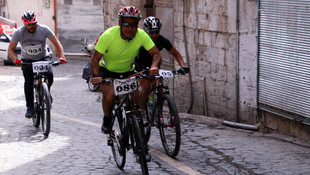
x=34, y=50
x=165, y=73
x=125, y=86
x=40, y=66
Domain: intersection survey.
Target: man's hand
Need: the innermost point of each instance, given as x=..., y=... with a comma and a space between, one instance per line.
x=62, y=60
x=183, y=70
x=17, y=62
x=153, y=70
x=96, y=80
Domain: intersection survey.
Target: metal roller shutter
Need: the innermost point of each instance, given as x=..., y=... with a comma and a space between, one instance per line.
x=284, y=58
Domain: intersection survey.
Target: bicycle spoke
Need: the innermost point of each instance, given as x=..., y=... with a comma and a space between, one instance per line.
x=169, y=126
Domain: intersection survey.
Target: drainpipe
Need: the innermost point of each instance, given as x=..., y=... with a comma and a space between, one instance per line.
x=235, y=124
x=257, y=63
x=187, y=58
x=237, y=62
x=55, y=22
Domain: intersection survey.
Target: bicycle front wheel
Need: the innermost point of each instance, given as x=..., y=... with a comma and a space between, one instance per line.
x=45, y=109
x=91, y=87
x=139, y=145
x=36, y=119
x=169, y=126
x=117, y=139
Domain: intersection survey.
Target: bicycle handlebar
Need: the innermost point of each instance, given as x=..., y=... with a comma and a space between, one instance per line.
x=52, y=62
x=141, y=75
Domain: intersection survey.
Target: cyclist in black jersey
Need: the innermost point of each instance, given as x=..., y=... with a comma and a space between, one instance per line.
x=152, y=26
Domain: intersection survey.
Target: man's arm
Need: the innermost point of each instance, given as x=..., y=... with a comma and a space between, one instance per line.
x=11, y=50
x=58, y=46
x=177, y=56
x=94, y=63
x=156, y=60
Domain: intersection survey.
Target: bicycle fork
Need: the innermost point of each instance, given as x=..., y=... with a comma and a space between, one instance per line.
x=130, y=113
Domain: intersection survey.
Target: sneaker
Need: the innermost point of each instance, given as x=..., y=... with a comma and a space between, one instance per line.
x=29, y=113
x=51, y=99
x=145, y=120
x=148, y=157
x=106, y=127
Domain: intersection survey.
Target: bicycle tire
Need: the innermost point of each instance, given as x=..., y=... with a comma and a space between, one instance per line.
x=45, y=109
x=169, y=126
x=117, y=138
x=36, y=119
x=139, y=145
x=147, y=128
x=91, y=87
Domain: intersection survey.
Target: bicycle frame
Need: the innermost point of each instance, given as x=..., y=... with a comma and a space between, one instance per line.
x=163, y=114
x=42, y=101
x=128, y=117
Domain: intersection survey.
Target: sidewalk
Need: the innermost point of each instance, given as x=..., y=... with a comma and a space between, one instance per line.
x=262, y=131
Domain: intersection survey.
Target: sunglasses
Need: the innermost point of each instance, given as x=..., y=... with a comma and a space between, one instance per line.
x=134, y=25
x=32, y=24
x=154, y=31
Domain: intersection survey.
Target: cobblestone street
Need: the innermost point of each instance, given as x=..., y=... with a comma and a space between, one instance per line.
x=76, y=145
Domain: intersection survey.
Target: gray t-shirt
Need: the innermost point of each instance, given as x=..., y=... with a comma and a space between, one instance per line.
x=33, y=44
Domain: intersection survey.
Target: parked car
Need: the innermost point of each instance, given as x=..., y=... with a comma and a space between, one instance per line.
x=7, y=28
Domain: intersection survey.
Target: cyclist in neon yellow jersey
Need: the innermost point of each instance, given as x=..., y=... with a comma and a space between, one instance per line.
x=118, y=46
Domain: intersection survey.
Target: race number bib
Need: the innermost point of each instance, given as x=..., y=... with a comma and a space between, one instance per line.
x=34, y=50
x=165, y=73
x=40, y=66
x=125, y=86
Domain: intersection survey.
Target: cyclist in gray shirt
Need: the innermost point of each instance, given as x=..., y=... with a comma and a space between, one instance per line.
x=32, y=38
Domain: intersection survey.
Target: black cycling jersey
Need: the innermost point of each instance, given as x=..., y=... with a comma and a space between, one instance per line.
x=144, y=59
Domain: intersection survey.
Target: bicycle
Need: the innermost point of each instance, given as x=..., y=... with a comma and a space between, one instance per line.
x=42, y=96
x=164, y=110
x=127, y=123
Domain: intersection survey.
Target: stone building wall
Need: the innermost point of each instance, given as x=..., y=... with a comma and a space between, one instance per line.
x=212, y=53
x=211, y=42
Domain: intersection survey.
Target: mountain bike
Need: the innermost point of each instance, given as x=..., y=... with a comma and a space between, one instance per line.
x=42, y=96
x=127, y=131
x=162, y=113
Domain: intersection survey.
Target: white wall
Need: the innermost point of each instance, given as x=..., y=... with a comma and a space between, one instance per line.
x=14, y=9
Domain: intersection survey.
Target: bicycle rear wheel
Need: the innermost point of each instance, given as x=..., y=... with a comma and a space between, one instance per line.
x=169, y=126
x=45, y=109
x=117, y=139
x=36, y=119
x=139, y=145
x=147, y=127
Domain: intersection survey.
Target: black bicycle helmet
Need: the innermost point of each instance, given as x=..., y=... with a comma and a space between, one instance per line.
x=151, y=23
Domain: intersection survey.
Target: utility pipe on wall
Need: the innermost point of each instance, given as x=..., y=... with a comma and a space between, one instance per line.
x=237, y=60
x=55, y=22
x=187, y=58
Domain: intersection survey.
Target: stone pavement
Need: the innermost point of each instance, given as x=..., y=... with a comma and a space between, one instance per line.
x=76, y=146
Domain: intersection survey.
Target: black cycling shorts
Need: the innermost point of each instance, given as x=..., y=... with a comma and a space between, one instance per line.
x=105, y=73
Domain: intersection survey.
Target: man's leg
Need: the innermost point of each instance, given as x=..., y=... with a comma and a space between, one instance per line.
x=28, y=89
x=143, y=99
x=108, y=101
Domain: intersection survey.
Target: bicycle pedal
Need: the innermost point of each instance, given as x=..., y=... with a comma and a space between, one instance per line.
x=109, y=142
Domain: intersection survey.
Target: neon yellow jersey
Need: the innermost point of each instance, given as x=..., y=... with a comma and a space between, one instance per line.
x=119, y=54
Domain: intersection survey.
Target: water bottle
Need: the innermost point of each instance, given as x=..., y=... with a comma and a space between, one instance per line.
x=150, y=105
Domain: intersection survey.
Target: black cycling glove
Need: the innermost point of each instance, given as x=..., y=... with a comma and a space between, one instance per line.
x=183, y=70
